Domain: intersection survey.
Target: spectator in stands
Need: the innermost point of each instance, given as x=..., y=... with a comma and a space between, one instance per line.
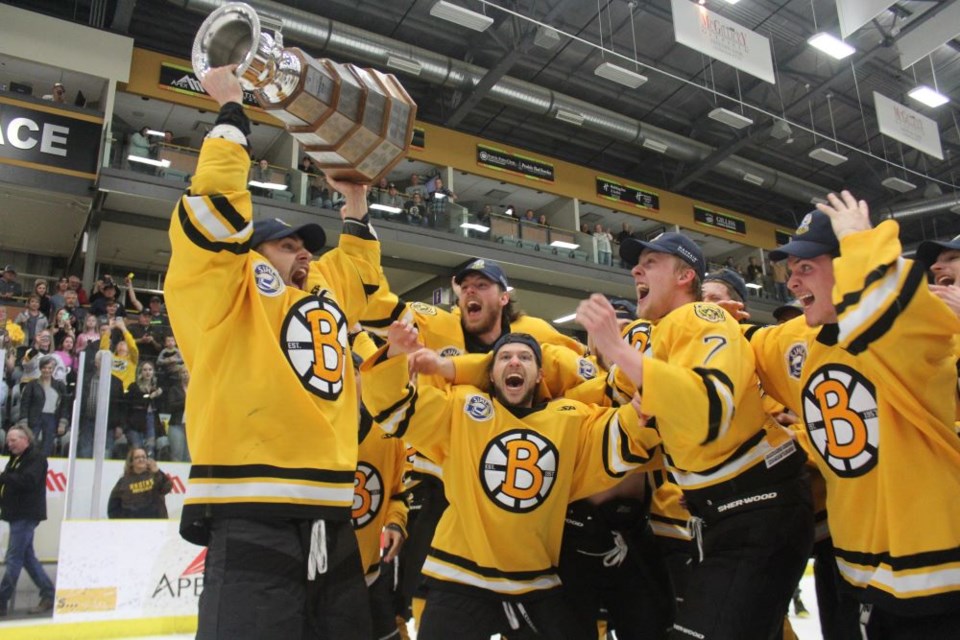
x=175, y=397
x=125, y=352
x=416, y=187
x=261, y=173
x=23, y=503
x=66, y=362
x=141, y=491
x=89, y=334
x=45, y=405
x=61, y=327
x=484, y=216
x=754, y=271
x=542, y=220
x=585, y=228
x=113, y=307
x=140, y=147
x=391, y=198
x=78, y=315
x=169, y=362
x=9, y=286
x=58, y=94
x=57, y=300
x=529, y=216
x=437, y=204
x=129, y=295
x=88, y=406
x=31, y=320
x=40, y=290
x=604, y=248
x=74, y=284
x=729, y=264
x=108, y=293
x=30, y=363
x=375, y=193
x=626, y=231
x=142, y=402
x=157, y=316
x=779, y=271
x=415, y=212
x=147, y=336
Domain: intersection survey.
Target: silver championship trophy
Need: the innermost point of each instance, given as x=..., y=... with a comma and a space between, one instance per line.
x=355, y=123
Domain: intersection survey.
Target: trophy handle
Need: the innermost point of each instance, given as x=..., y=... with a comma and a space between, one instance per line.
x=233, y=34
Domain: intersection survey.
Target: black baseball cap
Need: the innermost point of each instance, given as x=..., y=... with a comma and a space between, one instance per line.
x=10, y=268
x=814, y=237
x=793, y=305
x=521, y=338
x=487, y=268
x=268, y=229
x=675, y=244
x=929, y=251
x=626, y=310
x=730, y=278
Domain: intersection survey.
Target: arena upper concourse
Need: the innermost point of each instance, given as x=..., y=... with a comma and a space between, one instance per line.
x=548, y=133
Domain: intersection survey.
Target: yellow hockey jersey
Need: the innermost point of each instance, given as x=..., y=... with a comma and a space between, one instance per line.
x=508, y=475
x=125, y=369
x=272, y=408
x=876, y=392
x=379, y=480
x=700, y=385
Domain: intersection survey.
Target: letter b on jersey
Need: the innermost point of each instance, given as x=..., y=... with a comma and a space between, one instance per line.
x=518, y=469
x=840, y=411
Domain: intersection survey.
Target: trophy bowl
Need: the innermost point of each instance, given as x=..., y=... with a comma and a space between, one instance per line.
x=355, y=123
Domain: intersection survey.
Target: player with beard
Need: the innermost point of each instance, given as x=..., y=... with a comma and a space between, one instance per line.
x=741, y=473
x=511, y=465
x=271, y=485
x=484, y=312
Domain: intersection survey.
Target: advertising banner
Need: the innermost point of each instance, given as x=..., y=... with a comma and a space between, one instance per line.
x=908, y=126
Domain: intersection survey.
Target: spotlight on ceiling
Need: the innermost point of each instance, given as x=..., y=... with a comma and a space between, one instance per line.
x=831, y=45
x=928, y=96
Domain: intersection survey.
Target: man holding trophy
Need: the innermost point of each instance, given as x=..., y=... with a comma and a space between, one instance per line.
x=271, y=486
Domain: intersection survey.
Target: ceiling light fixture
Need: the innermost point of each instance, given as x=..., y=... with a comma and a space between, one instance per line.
x=753, y=179
x=273, y=186
x=826, y=156
x=815, y=201
x=898, y=184
x=566, y=318
x=620, y=75
x=560, y=244
x=655, y=145
x=460, y=16
x=570, y=117
x=831, y=45
x=546, y=38
x=385, y=207
x=150, y=161
x=475, y=227
x=928, y=96
x=154, y=132
x=730, y=118
x=404, y=64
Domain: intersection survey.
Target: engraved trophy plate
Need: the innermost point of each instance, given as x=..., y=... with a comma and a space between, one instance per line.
x=357, y=124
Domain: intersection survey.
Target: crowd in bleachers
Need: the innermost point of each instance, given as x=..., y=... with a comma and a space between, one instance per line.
x=42, y=338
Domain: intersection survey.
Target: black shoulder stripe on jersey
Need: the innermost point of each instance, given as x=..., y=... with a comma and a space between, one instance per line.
x=358, y=229
x=916, y=277
x=748, y=334
x=489, y=572
x=395, y=313
x=829, y=334
x=212, y=471
x=222, y=204
x=370, y=289
x=714, y=402
x=853, y=297
x=606, y=454
x=197, y=238
x=386, y=413
x=902, y=563
x=408, y=415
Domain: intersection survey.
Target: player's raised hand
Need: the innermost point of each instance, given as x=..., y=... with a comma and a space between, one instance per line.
x=222, y=84
x=734, y=308
x=401, y=338
x=599, y=318
x=950, y=294
x=355, y=195
x=847, y=214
